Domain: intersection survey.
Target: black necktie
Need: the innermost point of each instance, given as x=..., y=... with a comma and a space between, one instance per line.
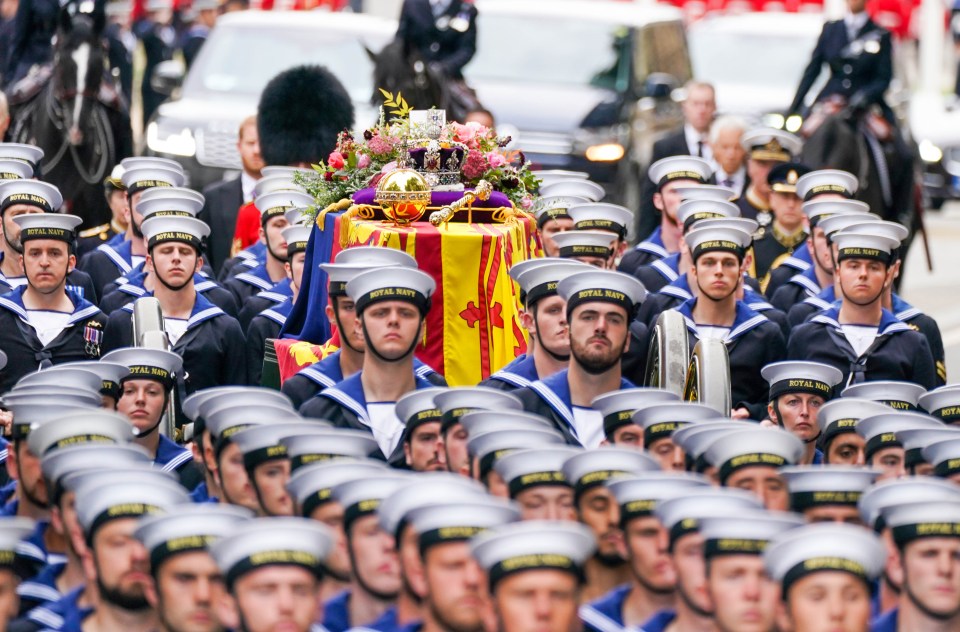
x=699, y=149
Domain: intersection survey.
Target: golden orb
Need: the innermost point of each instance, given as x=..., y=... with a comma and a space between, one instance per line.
x=404, y=195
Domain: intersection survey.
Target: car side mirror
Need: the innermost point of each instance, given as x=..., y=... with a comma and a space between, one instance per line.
x=660, y=85
x=167, y=76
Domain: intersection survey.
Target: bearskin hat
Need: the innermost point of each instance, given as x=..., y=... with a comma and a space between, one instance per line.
x=301, y=112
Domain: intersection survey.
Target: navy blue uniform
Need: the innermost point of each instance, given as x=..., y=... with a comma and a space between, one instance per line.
x=131, y=287
x=265, y=299
x=448, y=39
x=646, y=252
x=520, y=373
x=264, y=326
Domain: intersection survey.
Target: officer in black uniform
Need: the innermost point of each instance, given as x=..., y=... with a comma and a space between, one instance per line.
x=33, y=29
x=766, y=147
x=158, y=38
x=41, y=323
x=443, y=32
x=777, y=241
x=209, y=341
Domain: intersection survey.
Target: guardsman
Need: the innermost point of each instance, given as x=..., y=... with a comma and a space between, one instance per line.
x=859, y=337
x=113, y=231
x=454, y=403
x=680, y=517
x=828, y=494
x=551, y=208
x=776, y=242
x=41, y=323
x=766, y=147
x=209, y=341
x=535, y=480
x=751, y=460
x=272, y=569
x=658, y=422
x=668, y=175
x=618, y=407
x=535, y=572
x=797, y=391
x=826, y=575
x=599, y=307
x=544, y=317
x=187, y=582
x=837, y=419
x=391, y=311
x=652, y=585
x=597, y=508
x=882, y=449
x=752, y=340
x=144, y=399
x=108, y=262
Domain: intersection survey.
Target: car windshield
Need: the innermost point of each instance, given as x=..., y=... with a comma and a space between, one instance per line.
x=241, y=60
x=727, y=57
x=523, y=49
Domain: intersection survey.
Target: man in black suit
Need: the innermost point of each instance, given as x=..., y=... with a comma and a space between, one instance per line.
x=224, y=199
x=728, y=153
x=860, y=57
x=444, y=32
x=699, y=108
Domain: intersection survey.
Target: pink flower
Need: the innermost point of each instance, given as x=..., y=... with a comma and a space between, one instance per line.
x=496, y=160
x=363, y=161
x=380, y=145
x=390, y=166
x=464, y=133
x=475, y=166
x=526, y=202
x=336, y=160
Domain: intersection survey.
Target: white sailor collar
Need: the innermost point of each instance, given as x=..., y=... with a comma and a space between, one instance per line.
x=13, y=301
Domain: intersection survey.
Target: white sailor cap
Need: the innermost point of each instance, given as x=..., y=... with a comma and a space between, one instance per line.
x=519, y=267
x=816, y=486
x=143, y=475
x=39, y=407
x=681, y=515
x=914, y=520
x=109, y=373
x=943, y=402
x=402, y=284
x=362, y=496
x=660, y=421
x=460, y=520
x=549, y=176
x=705, y=192
x=185, y=230
x=20, y=151
x=99, y=501
x=36, y=193
x=13, y=531
x=271, y=171
x=139, y=162
x=703, y=239
x=427, y=489
x=880, y=431
x=838, y=222
x=297, y=215
x=263, y=542
x=540, y=281
x=534, y=545
x=691, y=212
x=352, y=261
x=816, y=548
x=602, y=216
x=478, y=422
x=11, y=169
x=555, y=207
x=896, y=395
x=819, y=210
x=604, y=286
x=489, y=447
x=573, y=188
x=260, y=444
x=889, y=493
x=454, y=403
x=230, y=418
x=639, y=494
x=769, y=144
x=916, y=440
x=90, y=457
x=417, y=407
x=277, y=203
x=297, y=238
x=92, y=427
x=684, y=168
x=618, y=407
x=148, y=364
x=161, y=205
x=743, y=224
x=312, y=486
x=748, y=532
x=524, y=469
x=824, y=181
x=865, y=245
x=62, y=375
x=842, y=415
x=872, y=226
x=276, y=182
x=795, y=376
x=944, y=456
x=328, y=445
x=584, y=243
x=194, y=405
x=592, y=468
x=694, y=439
x=192, y=528
x=760, y=447
x=141, y=178
x=47, y=226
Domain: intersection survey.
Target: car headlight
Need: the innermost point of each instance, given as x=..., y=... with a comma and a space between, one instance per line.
x=180, y=143
x=605, y=152
x=930, y=152
x=602, y=144
x=793, y=123
x=774, y=120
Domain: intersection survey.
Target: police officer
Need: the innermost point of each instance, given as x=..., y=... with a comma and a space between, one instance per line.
x=209, y=341
x=41, y=323
x=776, y=242
x=766, y=147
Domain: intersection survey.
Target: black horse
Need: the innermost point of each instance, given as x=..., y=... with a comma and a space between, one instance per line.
x=423, y=86
x=75, y=113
